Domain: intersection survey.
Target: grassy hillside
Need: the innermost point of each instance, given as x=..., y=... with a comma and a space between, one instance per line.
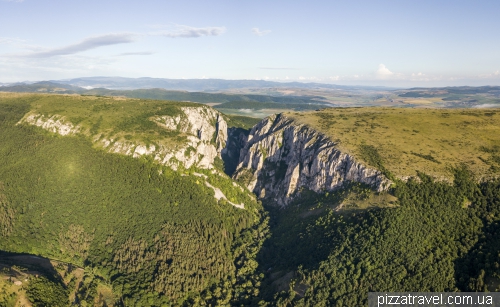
x=109, y=117
x=155, y=235
x=406, y=140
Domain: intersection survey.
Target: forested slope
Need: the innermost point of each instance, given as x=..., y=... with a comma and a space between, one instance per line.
x=436, y=228
x=336, y=235
x=155, y=235
x=440, y=237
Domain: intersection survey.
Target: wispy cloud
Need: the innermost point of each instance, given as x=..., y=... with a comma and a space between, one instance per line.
x=258, y=32
x=181, y=31
x=86, y=44
x=93, y=42
x=279, y=68
x=136, y=53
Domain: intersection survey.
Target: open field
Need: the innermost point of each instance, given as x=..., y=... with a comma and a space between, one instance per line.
x=407, y=140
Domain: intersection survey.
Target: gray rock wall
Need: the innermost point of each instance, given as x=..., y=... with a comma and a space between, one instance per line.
x=282, y=157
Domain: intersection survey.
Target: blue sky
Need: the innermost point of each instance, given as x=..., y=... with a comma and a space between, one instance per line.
x=395, y=43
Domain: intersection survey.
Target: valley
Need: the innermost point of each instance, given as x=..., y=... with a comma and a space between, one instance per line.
x=143, y=202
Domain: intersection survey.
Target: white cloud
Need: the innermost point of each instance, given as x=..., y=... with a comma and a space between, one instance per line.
x=181, y=31
x=86, y=44
x=383, y=72
x=258, y=32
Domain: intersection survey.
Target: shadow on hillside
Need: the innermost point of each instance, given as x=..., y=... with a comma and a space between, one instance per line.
x=236, y=140
x=479, y=270
x=29, y=263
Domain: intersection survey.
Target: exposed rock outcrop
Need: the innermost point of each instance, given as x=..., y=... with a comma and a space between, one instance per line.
x=203, y=122
x=277, y=159
x=204, y=128
x=55, y=123
x=282, y=157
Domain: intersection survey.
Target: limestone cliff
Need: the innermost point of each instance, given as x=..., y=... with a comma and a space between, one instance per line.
x=55, y=123
x=204, y=129
x=277, y=159
x=282, y=157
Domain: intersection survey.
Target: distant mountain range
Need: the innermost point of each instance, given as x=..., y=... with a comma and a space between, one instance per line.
x=224, y=99
x=260, y=94
x=193, y=84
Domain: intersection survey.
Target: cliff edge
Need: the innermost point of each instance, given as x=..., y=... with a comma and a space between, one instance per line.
x=281, y=158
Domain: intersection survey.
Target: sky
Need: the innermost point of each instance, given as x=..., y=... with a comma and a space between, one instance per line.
x=398, y=43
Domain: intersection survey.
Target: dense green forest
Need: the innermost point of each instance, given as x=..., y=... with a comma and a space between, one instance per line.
x=439, y=237
x=157, y=236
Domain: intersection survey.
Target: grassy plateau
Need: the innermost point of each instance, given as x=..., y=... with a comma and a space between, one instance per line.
x=406, y=140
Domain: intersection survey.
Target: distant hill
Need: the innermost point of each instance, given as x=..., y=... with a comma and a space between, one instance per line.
x=461, y=96
x=195, y=84
x=41, y=87
x=236, y=96
x=229, y=101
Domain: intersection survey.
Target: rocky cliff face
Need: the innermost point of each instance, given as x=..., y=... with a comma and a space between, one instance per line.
x=204, y=128
x=277, y=159
x=55, y=123
x=281, y=157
